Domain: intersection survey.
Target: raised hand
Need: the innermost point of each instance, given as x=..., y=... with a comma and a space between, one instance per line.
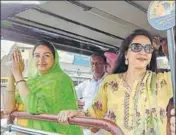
x=17, y=63
x=156, y=42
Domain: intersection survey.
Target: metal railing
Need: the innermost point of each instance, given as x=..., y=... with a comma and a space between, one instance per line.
x=23, y=130
x=80, y=121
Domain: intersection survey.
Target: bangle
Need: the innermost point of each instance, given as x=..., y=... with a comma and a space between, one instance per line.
x=20, y=81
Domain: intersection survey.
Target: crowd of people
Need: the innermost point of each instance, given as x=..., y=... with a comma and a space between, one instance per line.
x=125, y=87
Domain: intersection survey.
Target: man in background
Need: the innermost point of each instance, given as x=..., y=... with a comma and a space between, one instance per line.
x=87, y=90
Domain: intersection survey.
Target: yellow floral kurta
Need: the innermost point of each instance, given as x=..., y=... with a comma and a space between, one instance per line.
x=135, y=111
x=164, y=93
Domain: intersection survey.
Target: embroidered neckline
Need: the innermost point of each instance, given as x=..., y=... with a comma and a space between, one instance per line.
x=127, y=104
x=126, y=85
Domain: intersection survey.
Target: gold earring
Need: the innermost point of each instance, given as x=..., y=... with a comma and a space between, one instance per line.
x=126, y=61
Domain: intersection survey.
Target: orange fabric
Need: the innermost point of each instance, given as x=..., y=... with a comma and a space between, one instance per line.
x=21, y=122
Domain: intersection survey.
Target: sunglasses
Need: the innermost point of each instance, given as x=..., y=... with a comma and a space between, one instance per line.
x=137, y=47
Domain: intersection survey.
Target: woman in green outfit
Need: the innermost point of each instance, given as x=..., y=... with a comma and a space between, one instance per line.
x=48, y=89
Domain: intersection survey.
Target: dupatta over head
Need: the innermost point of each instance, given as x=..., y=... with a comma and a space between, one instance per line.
x=49, y=94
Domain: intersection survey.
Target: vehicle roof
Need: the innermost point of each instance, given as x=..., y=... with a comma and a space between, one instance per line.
x=78, y=26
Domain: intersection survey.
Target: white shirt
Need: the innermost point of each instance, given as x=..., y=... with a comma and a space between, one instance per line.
x=162, y=62
x=87, y=91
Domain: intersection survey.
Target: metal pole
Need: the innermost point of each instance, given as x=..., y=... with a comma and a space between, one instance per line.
x=171, y=48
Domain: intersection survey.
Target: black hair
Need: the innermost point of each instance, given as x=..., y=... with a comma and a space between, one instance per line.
x=47, y=44
x=171, y=102
x=100, y=55
x=160, y=52
x=121, y=66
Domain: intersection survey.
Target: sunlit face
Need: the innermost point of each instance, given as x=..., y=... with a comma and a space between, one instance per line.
x=139, y=60
x=98, y=66
x=44, y=59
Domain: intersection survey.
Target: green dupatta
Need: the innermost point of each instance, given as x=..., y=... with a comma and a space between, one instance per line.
x=49, y=94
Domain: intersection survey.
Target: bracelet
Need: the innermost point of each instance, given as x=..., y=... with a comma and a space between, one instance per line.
x=20, y=81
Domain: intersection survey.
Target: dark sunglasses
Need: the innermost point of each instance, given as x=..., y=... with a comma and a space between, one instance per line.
x=137, y=47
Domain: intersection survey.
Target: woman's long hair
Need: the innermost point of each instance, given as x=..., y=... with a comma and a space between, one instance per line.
x=121, y=66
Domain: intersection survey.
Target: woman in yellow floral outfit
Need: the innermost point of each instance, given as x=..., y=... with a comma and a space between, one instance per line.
x=136, y=97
